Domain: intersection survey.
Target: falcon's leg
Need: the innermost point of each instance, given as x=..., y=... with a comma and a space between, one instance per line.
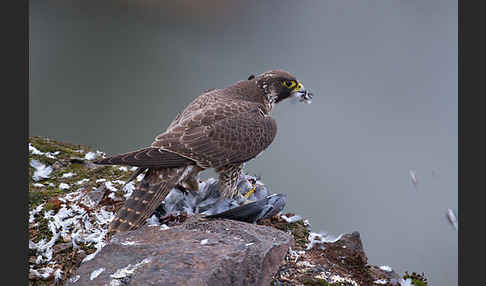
x=190, y=182
x=228, y=179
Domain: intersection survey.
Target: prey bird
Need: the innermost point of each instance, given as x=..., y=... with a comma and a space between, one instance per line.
x=220, y=129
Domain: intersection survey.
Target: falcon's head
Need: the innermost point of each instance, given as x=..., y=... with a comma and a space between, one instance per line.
x=278, y=85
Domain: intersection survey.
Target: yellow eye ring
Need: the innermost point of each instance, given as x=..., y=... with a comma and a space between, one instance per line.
x=289, y=84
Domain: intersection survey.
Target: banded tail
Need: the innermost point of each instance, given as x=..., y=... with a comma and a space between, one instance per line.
x=146, y=197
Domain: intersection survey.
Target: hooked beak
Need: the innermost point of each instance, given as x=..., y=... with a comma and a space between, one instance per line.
x=302, y=94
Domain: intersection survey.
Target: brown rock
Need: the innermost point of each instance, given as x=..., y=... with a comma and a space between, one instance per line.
x=198, y=252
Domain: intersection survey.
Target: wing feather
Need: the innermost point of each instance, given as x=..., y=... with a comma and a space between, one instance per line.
x=233, y=139
x=147, y=158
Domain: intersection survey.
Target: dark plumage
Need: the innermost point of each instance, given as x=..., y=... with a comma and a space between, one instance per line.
x=221, y=129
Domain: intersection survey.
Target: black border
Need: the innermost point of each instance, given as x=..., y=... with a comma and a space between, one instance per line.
x=15, y=132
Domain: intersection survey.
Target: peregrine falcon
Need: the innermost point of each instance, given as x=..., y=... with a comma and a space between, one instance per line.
x=220, y=129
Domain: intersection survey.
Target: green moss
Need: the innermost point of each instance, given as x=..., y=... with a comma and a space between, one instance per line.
x=49, y=145
x=38, y=196
x=417, y=279
x=319, y=282
x=298, y=230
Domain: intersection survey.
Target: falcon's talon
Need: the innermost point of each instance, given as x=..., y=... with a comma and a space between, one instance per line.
x=251, y=191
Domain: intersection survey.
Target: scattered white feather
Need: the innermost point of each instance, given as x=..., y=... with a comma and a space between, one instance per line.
x=74, y=279
x=80, y=182
x=164, y=227
x=58, y=274
x=319, y=238
x=248, y=244
x=109, y=186
x=381, y=281
x=100, y=180
x=129, y=269
x=41, y=171
x=291, y=219
x=407, y=282
x=204, y=241
x=36, y=151
x=68, y=175
x=44, y=272
x=339, y=279
x=35, y=211
x=140, y=177
x=413, y=177
x=63, y=186
x=96, y=273
x=128, y=189
x=120, y=182
x=452, y=219
x=123, y=168
x=130, y=243
x=153, y=221
x=386, y=268
x=90, y=156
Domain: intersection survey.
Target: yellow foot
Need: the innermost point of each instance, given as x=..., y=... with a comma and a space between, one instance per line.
x=247, y=195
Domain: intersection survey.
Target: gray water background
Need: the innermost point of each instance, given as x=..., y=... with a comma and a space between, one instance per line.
x=384, y=73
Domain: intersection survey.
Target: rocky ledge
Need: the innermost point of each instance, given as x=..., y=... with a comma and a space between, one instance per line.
x=72, y=201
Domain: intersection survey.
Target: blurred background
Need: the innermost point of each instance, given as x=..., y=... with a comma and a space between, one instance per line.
x=113, y=75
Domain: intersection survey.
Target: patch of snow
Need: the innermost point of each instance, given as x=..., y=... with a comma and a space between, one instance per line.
x=41, y=171
x=100, y=180
x=120, y=182
x=123, y=168
x=39, y=185
x=204, y=241
x=96, y=273
x=381, y=281
x=248, y=244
